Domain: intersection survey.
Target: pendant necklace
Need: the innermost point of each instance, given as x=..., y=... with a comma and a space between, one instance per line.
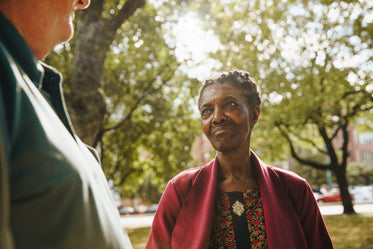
x=238, y=208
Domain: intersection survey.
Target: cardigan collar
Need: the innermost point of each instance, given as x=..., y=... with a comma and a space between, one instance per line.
x=193, y=225
x=279, y=212
x=195, y=217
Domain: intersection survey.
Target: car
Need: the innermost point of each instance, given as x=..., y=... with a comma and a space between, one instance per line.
x=362, y=193
x=126, y=210
x=332, y=195
x=329, y=198
x=316, y=194
x=152, y=208
x=141, y=209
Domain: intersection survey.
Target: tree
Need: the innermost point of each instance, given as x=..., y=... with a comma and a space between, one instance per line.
x=312, y=62
x=314, y=177
x=148, y=125
x=359, y=173
x=324, y=99
x=95, y=31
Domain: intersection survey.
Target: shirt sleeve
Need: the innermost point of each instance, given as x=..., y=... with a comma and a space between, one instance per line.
x=165, y=219
x=313, y=224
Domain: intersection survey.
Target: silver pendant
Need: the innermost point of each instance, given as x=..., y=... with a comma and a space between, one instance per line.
x=238, y=208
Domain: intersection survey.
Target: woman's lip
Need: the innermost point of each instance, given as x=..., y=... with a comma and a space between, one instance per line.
x=219, y=132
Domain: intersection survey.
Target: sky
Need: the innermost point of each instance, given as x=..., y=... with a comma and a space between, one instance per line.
x=193, y=44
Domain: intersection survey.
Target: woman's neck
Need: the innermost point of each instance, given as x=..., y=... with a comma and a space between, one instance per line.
x=235, y=172
x=234, y=163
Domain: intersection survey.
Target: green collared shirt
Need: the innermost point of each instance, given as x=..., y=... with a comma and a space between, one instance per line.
x=53, y=191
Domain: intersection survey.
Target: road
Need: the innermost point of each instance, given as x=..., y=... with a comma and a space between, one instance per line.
x=137, y=220
x=145, y=220
x=338, y=209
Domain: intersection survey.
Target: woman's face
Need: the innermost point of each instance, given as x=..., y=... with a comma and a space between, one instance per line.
x=226, y=118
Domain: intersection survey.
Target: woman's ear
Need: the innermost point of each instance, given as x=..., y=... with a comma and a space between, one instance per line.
x=254, y=116
x=255, y=113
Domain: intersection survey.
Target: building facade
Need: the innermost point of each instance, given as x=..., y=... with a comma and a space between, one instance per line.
x=360, y=146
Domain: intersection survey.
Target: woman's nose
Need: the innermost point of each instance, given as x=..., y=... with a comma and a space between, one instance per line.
x=218, y=116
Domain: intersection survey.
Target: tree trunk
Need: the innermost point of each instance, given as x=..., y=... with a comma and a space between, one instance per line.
x=340, y=174
x=93, y=37
x=86, y=100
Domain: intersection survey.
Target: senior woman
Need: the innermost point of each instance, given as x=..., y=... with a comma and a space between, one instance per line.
x=236, y=200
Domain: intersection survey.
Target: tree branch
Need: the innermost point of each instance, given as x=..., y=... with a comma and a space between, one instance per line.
x=335, y=132
x=296, y=156
x=311, y=143
x=302, y=138
x=145, y=94
x=329, y=146
x=345, y=153
x=127, y=174
x=116, y=168
x=95, y=10
x=123, y=14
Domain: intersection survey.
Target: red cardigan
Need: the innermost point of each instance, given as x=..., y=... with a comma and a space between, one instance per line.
x=292, y=217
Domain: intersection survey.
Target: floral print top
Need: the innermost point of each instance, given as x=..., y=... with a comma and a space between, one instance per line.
x=223, y=228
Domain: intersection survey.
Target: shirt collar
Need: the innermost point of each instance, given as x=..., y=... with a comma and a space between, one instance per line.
x=20, y=51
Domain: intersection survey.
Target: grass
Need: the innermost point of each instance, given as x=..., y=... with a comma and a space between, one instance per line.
x=139, y=237
x=351, y=231
x=347, y=232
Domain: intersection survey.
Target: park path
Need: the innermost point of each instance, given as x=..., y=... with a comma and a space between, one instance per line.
x=145, y=220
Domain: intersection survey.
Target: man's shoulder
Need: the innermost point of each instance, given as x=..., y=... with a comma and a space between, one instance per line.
x=5, y=59
x=8, y=68
x=8, y=89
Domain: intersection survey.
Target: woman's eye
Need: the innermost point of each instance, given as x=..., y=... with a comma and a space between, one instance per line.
x=231, y=104
x=205, y=112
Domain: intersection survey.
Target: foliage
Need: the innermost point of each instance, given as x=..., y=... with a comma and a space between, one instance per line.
x=96, y=28
x=312, y=60
x=148, y=125
x=315, y=177
x=359, y=173
x=268, y=143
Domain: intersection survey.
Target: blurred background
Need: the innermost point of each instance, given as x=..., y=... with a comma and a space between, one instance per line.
x=132, y=74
